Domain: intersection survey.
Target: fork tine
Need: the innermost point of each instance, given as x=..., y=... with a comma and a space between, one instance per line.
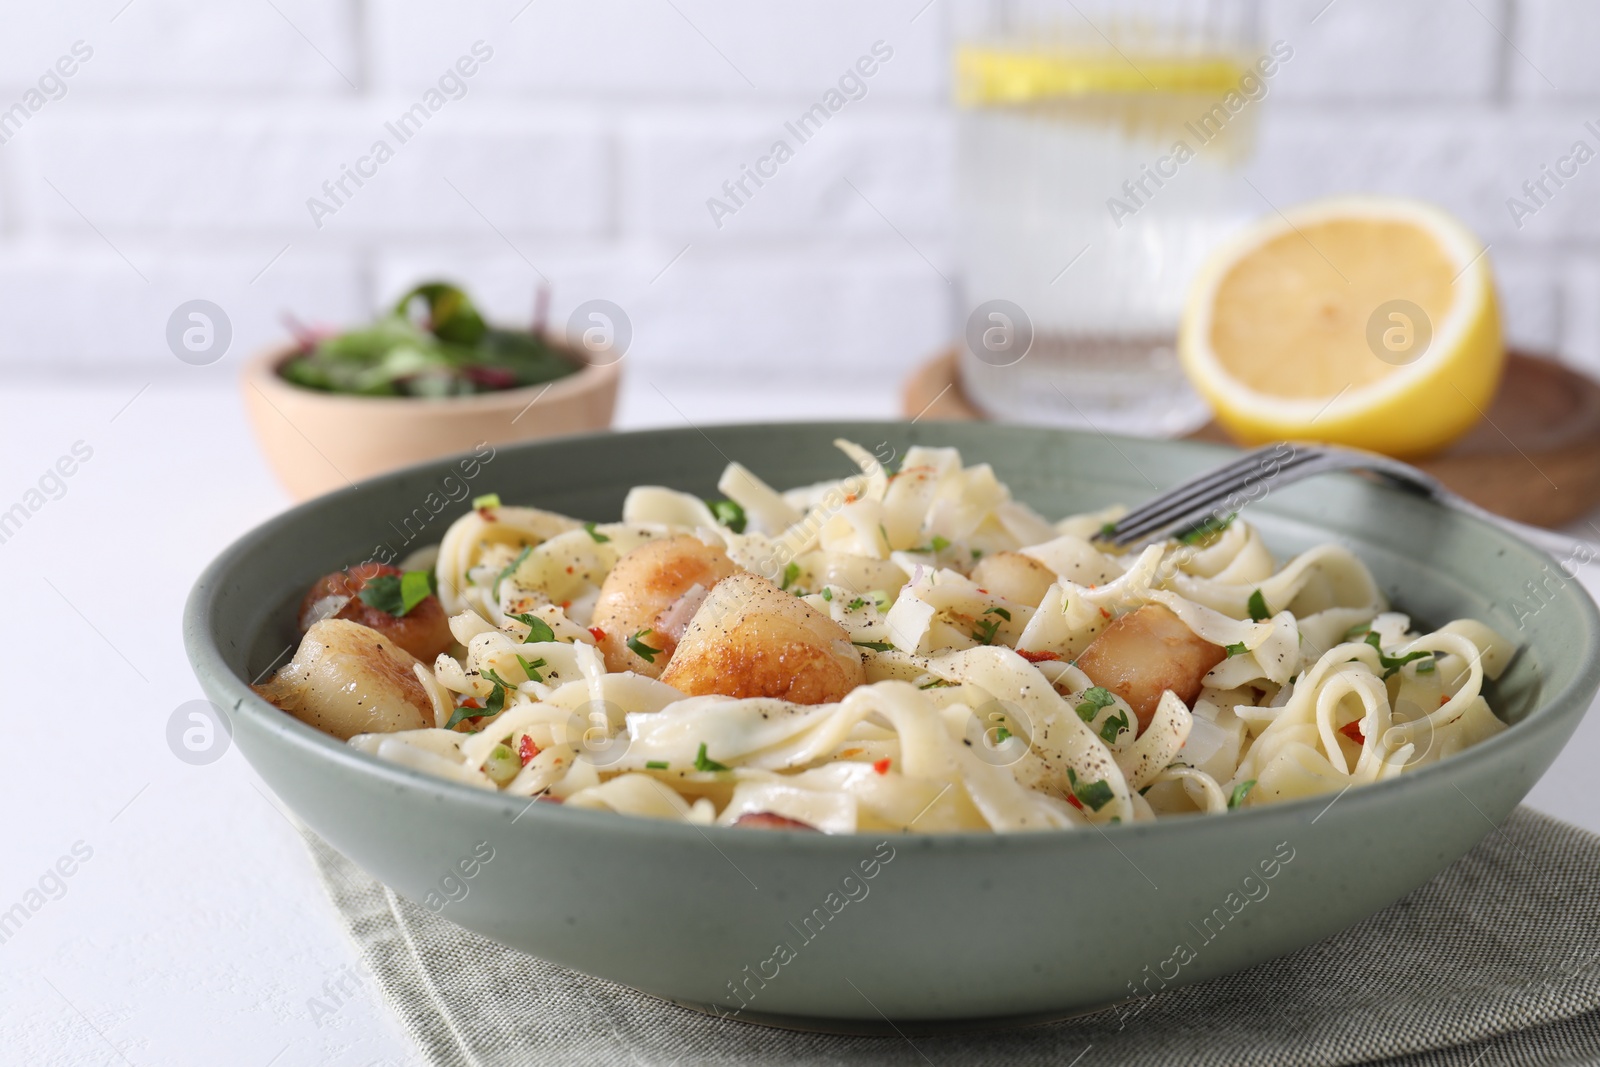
x=1191, y=500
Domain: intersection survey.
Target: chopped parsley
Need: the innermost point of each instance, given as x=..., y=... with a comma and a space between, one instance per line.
x=595, y=535
x=397, y=595
x=1360, y=629
x=876, y=646
x=497, y=699
x=1113, y=726
x=790, y=573
x=827, y=594
x=986, y=630
x=660, y=764
x=1002, y=612
x=1427, y=666
x=1391, y=664
x=886, y=542
x=1093, y=700
x=939, y=543
x=510, y=569
x=728, y=513
x=1108, y=530
x=1001, y=735
x=977, y=553
x=1235, y=650
x=1202, y=532
x=1258, y=607
x=532, y=669
x=1092, y=795
x=1240, y=791
x=880, y=598
x=642, y=650
x=464, y=712
x=487, y=500
x=538, y=629
x=703, y=763
x=937, y=683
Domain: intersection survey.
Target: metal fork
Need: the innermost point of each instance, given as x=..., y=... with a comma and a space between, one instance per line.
x=1211, y=497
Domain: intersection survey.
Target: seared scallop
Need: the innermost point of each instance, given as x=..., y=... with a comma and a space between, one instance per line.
x=752, y=639
x=1142, y=654
x=347, y=679
x=424, y=631
x=657, y=588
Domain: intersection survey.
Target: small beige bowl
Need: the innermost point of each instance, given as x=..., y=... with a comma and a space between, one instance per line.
x=316, y=442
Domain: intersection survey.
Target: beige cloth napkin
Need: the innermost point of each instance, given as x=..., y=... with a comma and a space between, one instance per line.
x=1495, y=961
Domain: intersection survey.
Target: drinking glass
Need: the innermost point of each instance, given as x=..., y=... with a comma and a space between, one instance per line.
x=1100, y=144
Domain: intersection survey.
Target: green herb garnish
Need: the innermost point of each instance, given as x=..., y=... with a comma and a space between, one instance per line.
x=465, y=711
x=660, y=764
x=1427, y=666
x=398, y=594
x=1240, y=791
x=532, y=669
x=595, y=535
x=876, y=646
x=1093, y=700
x=937, y=683
x=1391, y=664
x=1235, y=650
x=702, y=763
x=1258, y=607
x=1001, y=734
x=1360, y=629
x=1113, y=726
x=790, y=573
x=1108, y=530
x=487, y=500
x=1204, y=531
x=642, y=650
x=538, y=629
x=728, y=513
x=510, y=569
x=827, y=594
x=1092, y=795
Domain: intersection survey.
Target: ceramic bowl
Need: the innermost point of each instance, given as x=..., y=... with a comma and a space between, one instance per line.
x=789, y=927
x=317, y=442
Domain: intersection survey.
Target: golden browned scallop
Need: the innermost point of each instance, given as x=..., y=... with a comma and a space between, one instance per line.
x=1146, y=652
x=424, y=631
x=347, y=679
x=1020, y=579
x=641, y=592
x=752, y=639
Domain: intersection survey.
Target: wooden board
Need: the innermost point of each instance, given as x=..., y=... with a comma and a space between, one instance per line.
x=1535, y=457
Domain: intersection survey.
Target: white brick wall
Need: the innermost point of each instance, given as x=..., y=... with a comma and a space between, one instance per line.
x=178, y=162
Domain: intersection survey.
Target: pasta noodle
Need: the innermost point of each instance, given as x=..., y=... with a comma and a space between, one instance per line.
x=1001, y=683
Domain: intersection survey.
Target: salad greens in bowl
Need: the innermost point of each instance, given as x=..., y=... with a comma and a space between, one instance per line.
x=428, y=378
x=432, y=343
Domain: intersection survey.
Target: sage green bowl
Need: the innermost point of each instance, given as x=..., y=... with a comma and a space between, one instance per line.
x=950, y=928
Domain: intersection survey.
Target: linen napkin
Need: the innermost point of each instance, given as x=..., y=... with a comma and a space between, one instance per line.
x=1495, y=961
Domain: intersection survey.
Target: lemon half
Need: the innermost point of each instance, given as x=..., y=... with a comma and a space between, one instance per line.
x=1365, y=321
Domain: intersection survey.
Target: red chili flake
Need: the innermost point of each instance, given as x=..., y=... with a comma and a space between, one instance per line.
x=569, y=570
x=1352, y=730
x=1036, y=657
x=882, y=766
x=1074, y=801
x=985, y=592
x=487, y=515
x=597, y=633
x=1444, y=698
x=1105, y=613
x=470, y=702
x=527, y=749
x=565, y=604
x=851, y=499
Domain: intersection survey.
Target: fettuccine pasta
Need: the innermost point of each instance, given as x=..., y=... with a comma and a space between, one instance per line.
x=911, y=651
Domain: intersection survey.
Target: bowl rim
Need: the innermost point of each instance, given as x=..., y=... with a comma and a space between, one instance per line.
x=207, y=659
x=261, y=371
